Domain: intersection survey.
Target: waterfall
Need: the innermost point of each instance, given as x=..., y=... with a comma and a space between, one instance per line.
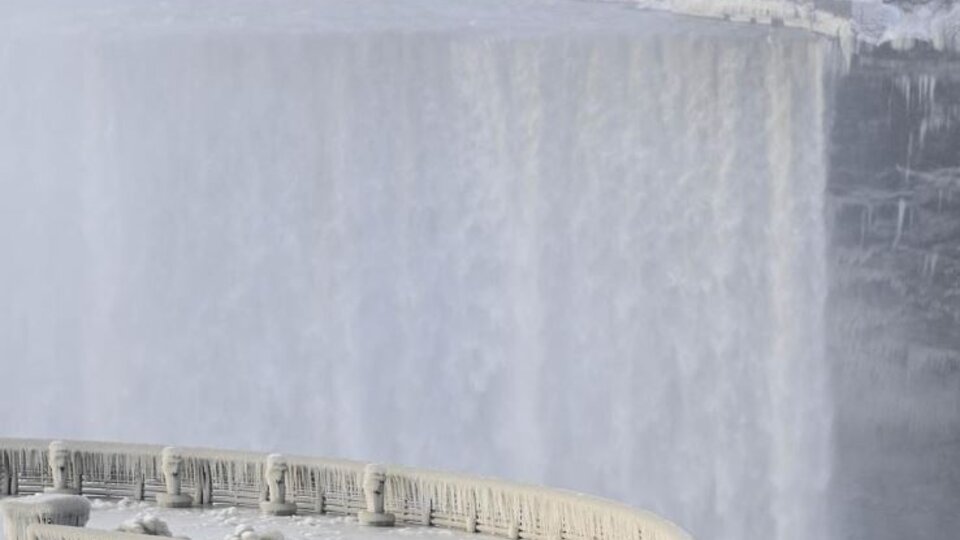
x=580, y=246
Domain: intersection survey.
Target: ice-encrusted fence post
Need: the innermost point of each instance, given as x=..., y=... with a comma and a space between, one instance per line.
x=140, y=488
x=374, y=479
x=320, y=502
x=58, y=457
x=78, y=472
x=276, y=479
x=172, y=467
x=14, y=480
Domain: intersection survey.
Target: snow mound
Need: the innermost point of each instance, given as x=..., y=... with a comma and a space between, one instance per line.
x=147, y=524
x=246, y=532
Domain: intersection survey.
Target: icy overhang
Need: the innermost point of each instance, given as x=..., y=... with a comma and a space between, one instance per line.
x=901, y=24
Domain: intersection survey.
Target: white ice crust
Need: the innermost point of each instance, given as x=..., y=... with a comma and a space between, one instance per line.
x=871, y=22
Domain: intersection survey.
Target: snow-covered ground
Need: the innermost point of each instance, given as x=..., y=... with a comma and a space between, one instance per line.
x=221, y=522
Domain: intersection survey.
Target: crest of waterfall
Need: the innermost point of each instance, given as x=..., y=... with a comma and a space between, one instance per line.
x=590, y=258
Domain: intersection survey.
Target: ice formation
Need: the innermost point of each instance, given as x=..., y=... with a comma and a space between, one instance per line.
x=905, y=24
x=870, y=22
x=171, y=463
x=275, y=478
x=778, y=12
x=374, y=478
x=59, y=458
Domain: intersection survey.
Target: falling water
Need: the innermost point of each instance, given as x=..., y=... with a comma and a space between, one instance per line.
x=579, y=246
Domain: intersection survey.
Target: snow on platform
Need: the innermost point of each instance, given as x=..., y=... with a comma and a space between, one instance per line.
x=219, y=522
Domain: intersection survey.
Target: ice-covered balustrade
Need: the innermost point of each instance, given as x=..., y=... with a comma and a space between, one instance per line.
x=322, y=485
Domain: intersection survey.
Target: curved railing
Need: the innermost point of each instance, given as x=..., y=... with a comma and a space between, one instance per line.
x=317, y=485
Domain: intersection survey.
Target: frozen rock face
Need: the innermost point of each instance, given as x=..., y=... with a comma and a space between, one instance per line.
x=564, y=243
x=894, y=308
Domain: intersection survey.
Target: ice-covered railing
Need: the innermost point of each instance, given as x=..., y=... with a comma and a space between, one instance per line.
x=336, y=486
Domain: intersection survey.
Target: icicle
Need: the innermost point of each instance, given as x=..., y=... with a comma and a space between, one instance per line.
x=139, y=489
x=901, y=217
x=204, y=487
x=320, y=503
x=426, y=513
x=930, y=264
x=77, y=469
x=864, y=222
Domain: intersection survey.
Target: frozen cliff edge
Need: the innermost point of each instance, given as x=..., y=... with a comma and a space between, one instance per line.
x=901, y=25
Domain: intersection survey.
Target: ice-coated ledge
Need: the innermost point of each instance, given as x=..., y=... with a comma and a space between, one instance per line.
x=870, y=22
x=903, y=25
x=424, y=497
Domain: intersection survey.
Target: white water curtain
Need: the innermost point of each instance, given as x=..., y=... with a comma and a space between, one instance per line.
x=588, y=259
